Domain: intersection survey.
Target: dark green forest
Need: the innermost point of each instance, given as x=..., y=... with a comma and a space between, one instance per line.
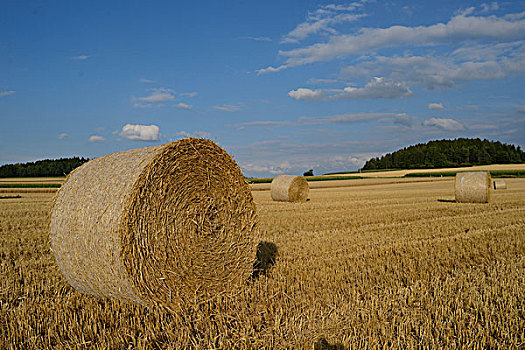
x=448, y=154
x=42, y=168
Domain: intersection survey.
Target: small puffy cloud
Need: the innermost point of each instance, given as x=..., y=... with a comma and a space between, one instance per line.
x=96, y=138
x=376, y=88
x=444, y=123
x=144, y=80
x=435, y=106
x=188, y=94
x=140, y=132
x=7, y=93
x=80, y=57
x=159, y=95
x=228, y=108
x=182, y=106
x=306, y=94
x=142, y=105
x=62, y=136
x=270, y=69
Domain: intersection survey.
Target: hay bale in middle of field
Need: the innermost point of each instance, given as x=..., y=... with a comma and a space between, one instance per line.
x=500, y=185
x=473, y=187
x=289, y=188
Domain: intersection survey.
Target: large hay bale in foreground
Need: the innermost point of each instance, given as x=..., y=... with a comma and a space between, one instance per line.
x=289, y=188
x=500, y=184
x=473, y=187
x=157, y=225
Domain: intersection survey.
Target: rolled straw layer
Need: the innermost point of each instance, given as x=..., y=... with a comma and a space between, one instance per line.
x=473, y=187
x=289, y=188
x=156, y=225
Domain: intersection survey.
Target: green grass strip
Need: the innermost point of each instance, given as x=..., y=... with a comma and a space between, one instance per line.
x=30, y=185
x=493, y=173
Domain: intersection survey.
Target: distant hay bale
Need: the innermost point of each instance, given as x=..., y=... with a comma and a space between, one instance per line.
x=500, y=184
x=473, y=187
x=156, y=225
x=289, y=188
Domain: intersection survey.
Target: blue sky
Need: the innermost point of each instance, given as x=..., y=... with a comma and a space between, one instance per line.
x=283, y=86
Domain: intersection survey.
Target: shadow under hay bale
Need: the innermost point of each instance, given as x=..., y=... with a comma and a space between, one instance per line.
x=473, y=187
x=289, y=188
x=161, y=225
x=266, y=255
x=10, y=197
x=323, y=344
x=500, y=184
x=447, y=200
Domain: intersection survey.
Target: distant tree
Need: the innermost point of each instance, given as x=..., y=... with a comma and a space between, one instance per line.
x=448, y=153
x=42, y=168
x=309, y=173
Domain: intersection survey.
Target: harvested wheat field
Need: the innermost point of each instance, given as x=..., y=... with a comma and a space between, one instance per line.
x=374, y=266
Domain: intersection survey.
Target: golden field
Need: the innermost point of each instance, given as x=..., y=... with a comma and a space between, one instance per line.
x=374, y=265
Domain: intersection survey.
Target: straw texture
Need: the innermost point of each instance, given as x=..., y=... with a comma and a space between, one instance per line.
x=289, y=188
x=500, y=184
x=159, y=225
x=473, y=187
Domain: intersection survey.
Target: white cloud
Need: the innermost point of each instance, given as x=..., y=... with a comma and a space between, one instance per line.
x=159, y=95
x=493, y=6
x=377, y=88
x=435, y=106
x=255, y=38
x=203, y=134
x=322, y=21
x=460, y=28
x=442, y=72
x=188, y=94
x=265, y=123
x=306, y=94
x=61, y=136
x=142, y=105
x=316, y=81
x=397, y=118
x=521, y=109
x=7, y=93
x=444, y=123
x=140, y=132
x=182, y=106
x=80, y=57
x=144, y=80
x=96, y=138
x=228, y=108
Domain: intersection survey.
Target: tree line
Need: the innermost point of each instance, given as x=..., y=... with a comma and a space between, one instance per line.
x=448, y=154
x=42, y=168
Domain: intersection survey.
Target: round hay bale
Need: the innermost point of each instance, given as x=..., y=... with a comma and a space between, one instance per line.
x=500, y=184
x=473, y=187
x=156, y=225
x=289, y=188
